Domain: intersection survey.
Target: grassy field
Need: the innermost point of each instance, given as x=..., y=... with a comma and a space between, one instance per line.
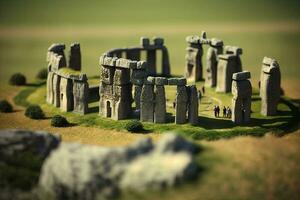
x=240, y=168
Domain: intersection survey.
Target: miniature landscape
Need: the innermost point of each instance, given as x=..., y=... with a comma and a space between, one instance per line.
x=101, y=91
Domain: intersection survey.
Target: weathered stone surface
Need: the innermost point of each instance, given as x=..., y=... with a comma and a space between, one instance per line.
x=160, y=104
x=212, y=64
x=233, y=50
x=122, y=102
x=241, y=101
x=16, y=142
x=239, y=76
x=56, y=90
x=161, y=81
x=121, y=76
x=193, y=105
x=133, y=54
x=58, y=62
x=66, y=95
x=226, y=68
x=147, y=103
x=216, y=42
x=107, y=74
x=150, y=80
x=181, y=105
x=56, y=47
x=75, y=57
x=137, y=96
x=151, y=62
x=177, y=81
x=194, y=68
x=270, y=86
x=145, y=41
x=138, y=74
x=158, y=41
x=57, y=50
x=141, y=65
x=50, y=93
x=76, y=171
x=166, y=69
x=81, y=96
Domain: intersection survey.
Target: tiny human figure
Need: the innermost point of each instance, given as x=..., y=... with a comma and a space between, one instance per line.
x=228, y=112
x=174, y=104
x=218, y=111
x=199, y=94
x=203, y=90
x=224, y=111
x=215, y=111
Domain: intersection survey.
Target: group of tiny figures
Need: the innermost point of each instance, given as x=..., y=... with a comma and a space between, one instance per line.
x=226, y=111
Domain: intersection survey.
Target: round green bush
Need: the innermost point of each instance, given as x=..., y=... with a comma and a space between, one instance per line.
x=17, y=79
x=34, y=112
x=42, y=74
x=59, y=121
x=134, y=126
x=5, y=106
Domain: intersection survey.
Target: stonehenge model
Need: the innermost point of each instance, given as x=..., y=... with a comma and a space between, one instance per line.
x=241, y=101
x=269, y=86
x=129, y=86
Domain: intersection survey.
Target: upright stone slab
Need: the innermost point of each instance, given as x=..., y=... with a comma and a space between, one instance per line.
x=214, y=50
x=56, y=90
x=193, y=105
x=160, y=104
x=121, y=102
x=151, y=61
x=236, y=51
x=166, y=69
x=50, y=93
x=241, y=101
x=133, y=54
x=270, y=87
x=66, y=94
x=181, y=105
x=226, y=68
x=194, y=68
x=59, y=50
x=75, y=57
x=81, y=96
x=137, y=96
x=106, y=101
x=147, y=103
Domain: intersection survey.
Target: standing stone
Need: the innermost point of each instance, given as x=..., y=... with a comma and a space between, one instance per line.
x=236, y=51
x=75, y=57
x=133, y=54
x=181, y=105
x=50, y=93
x=151, y=61
x=241, y=101
x=59, y=50
x=56, y=90
x=66, y=94
x=147, y=100
x=160, y=104
x=270, y=87
x=81, y=96
x=106, y=100
x=137, y=96
x=166, y=69
x=214, y=50
x=226, y=68
x=193, y=105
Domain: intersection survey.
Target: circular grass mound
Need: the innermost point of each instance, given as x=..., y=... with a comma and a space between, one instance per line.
x=34, y=112
x=59, y=121
x=5, y=106
x=17, y=79
x=42, y=74
x=134, y=126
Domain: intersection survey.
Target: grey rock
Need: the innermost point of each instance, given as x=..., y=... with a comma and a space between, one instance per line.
x=147, y=103
x=158, y=41
x=239, y=76
x=144, y=41
x=161, y=81
x=160, y=104
x=75, y=57
x=193, y=105
x=181, y=105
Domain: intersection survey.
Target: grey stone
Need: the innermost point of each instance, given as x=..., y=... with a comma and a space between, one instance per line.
x=107, y=74
x=66, y=94
x=121, y=76
x=212, y=65
x=81, y=96
x=160, y=104
x=138, y=74
x=56, y=90
x=233, y=50
x=147, y=103
x=150, y=80
x=50, y=92
x=241, y=101
x=161, y=81
x=133, y=54
x=181, y=105
x=151, y=62
x=75, y=57
x=239, y=76
x=145, y=41
x=141, y=65
x=216, y=42
x=270, y=86
x=194, y=67
x=59, y=50
x=166, y=69
x=17, y=142
x=193, y=105
x=177, y=81
x=158, y=41
x=137, y=96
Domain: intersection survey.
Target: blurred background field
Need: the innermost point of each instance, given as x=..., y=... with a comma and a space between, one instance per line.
x=261, y=28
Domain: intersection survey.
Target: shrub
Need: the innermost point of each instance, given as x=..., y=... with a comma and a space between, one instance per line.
x=134, y=126
x=42, y=74
x=17, y=79
x=34, y=112
x=59, y=121
x=5, y=106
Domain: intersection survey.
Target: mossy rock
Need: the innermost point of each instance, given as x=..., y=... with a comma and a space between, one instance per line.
x=59, y=121
x=34, y=112
x=42, y=74
x=17, y=79
x=134, y=126
x=5, y=106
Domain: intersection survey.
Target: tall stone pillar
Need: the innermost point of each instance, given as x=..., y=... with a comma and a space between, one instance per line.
x=50, y=93
x=147, y=101
x=181, y=104
x=151, y=61
x=193, y=105
x=75, y=57
x=270, y=87
x=226, y=68
x=133, y=54
x=166, y=69
x=59, y=50
x=56, y=90
x=81, y=95
x=66, y=94
x=241, y=101
x=160, y=100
